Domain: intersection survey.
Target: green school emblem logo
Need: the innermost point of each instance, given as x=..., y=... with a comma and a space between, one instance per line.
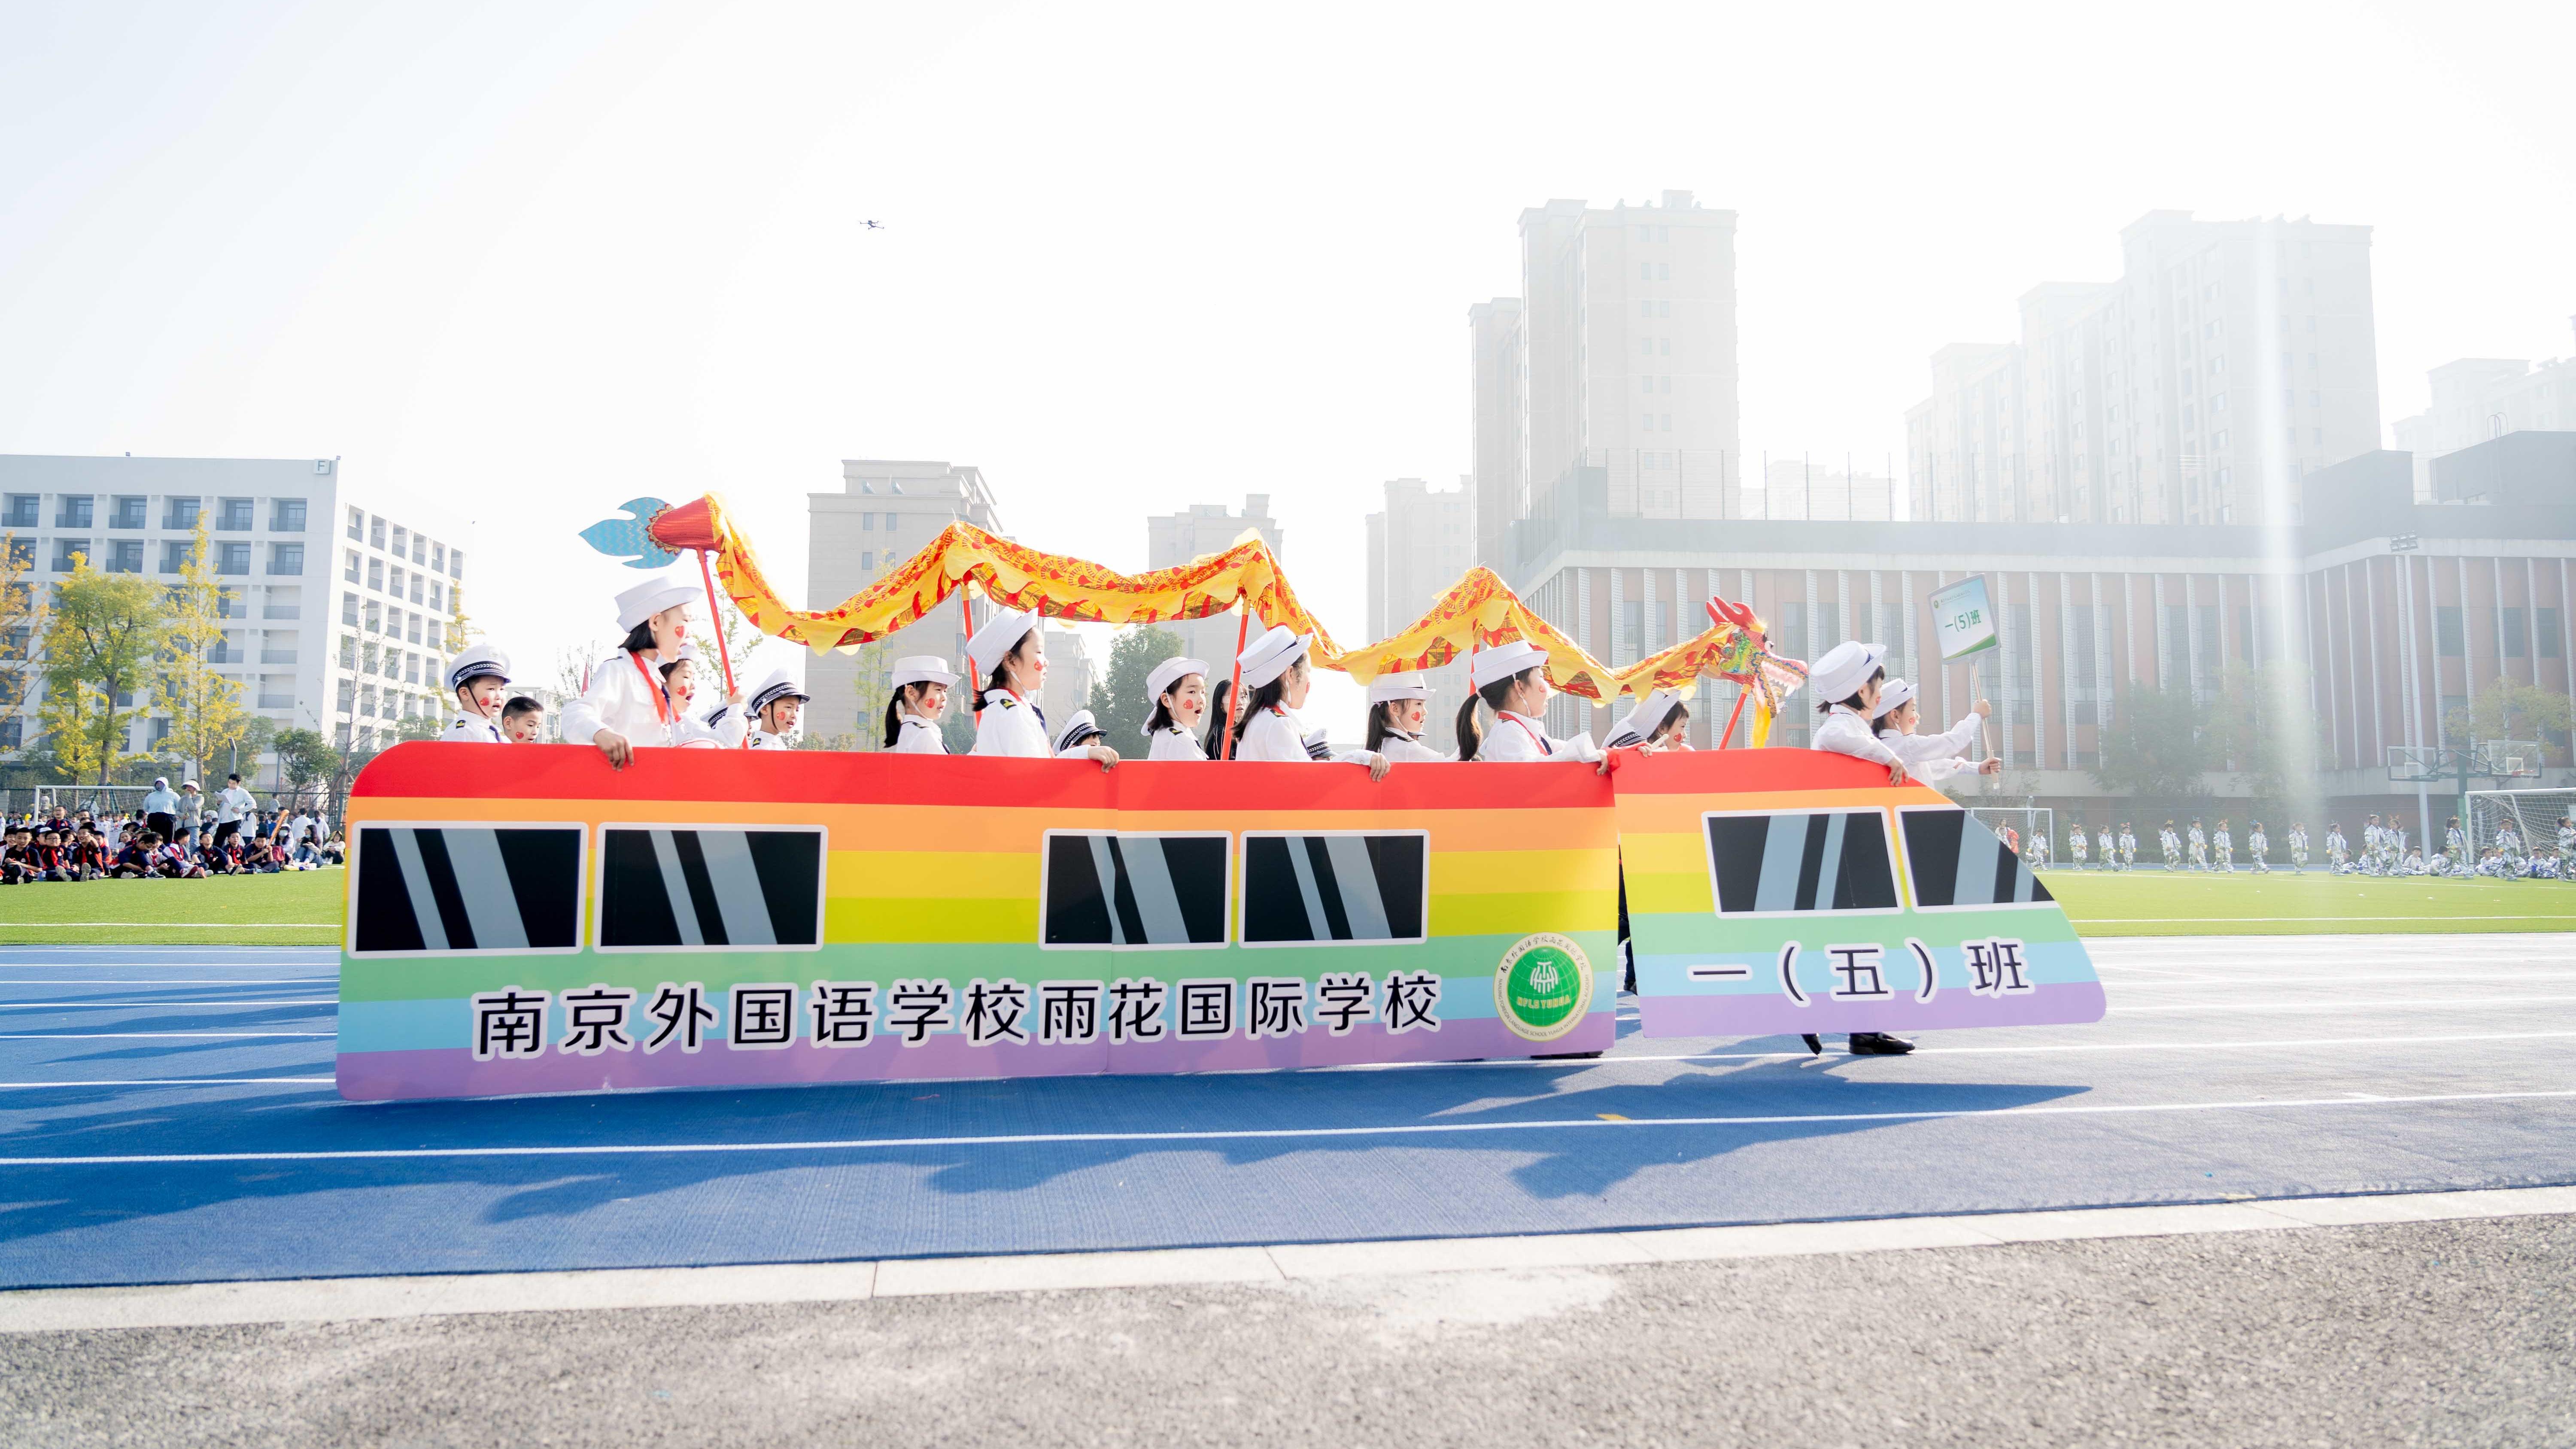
x=1543, y=986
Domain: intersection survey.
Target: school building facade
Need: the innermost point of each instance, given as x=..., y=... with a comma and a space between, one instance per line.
x=2395, y=611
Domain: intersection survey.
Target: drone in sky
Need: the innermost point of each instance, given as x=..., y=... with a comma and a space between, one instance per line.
x=876, y=226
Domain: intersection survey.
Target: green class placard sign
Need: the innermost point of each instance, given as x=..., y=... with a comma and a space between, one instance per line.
x=1964, y=618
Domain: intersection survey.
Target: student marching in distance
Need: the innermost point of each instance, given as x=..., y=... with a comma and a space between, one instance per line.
x=1399, y=708
x=1654, y=724
x=2075, y=846
x=2455, y=846
x=2566, y=842
x=1511, y=680
x=1176, y=691
x=2109, y=846
x=2171, y=844
x=1009, y=655
x=2226, y=844
x=2298, y=848
x=1276, y=680
x=477, y=681
x=2338, y=849
x=2260, y=847
x=921, y=683
x=1930, y=758
x=2128, y=847
x=773, y=710
x=625, y=708
x=2196, y=841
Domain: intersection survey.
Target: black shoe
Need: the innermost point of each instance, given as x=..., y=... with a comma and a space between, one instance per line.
x=1815, y=1045
x=1878, y=1044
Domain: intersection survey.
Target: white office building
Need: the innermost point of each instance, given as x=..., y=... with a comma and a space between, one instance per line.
x=1173, y=539
x=1423, y=542
x=338, y=599
x=2477, y=399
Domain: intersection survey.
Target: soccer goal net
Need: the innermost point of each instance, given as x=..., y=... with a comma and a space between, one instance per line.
x=2026, y=825
x=2532, y=815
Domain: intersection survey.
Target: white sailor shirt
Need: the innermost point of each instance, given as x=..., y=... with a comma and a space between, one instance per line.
x=1173, y=742
x=1845, y=732
x=1274, y=735
x=1400, y=746
x=764, y=740
x=917, y=736
x=1518, y=739
x=1013, y=727
x=622, y=697
x=474, y=729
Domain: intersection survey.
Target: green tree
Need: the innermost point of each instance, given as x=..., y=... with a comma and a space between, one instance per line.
x=1118, y=703
x=2155, y=745
x=2508, y=709
x=101, y=633
x=419, y=727
x=304, y=758
x=2262, y=727
x=205, y=708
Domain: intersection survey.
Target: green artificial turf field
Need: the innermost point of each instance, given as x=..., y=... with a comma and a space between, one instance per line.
x=2150, y=902
x=303, y=909
x=297, y=908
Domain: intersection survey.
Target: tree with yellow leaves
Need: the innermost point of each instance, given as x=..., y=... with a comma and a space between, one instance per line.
x=205, y=708
x=101, y=633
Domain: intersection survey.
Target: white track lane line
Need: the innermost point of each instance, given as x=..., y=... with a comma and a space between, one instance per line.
x=1254, y=1134
x=2373, y=1004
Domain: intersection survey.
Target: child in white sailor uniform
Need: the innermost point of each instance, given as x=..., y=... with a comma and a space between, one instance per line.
x=1176, y=692
x=1399, y=706
x=2075, y=851
x=1847, y=679
x=1847, y=682
x=1276, y=680
x=921, y=683
x=1654, y=724
x=2298, y=848
x=2110, y=849
x=689, y=732
x=625, y=707
x=477, y=679
x=1931, y=758
x=773, y=710
x=1511, y=680
x=1009, y=654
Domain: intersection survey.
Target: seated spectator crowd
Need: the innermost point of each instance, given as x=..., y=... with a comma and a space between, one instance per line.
x=66, y=846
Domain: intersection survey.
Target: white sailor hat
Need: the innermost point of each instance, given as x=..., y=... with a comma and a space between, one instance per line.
x=651, y=597
x=999, y=636
x=1272, y=654
x=921, y=669
x=779, y=685
x=1649, y=714
x=478, y=661
x=1077, y=730
x=1409, y=684
x=1894, y=695
x=1170, y=672
x=1497, y=662
x=1844, y=669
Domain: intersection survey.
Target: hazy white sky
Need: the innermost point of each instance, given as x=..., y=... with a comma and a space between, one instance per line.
x=546, y=257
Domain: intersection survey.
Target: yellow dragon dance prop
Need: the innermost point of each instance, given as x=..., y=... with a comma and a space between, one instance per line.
x=1478, y=609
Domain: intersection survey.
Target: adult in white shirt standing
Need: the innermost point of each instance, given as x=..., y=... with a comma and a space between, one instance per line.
x=230, y=807
x=921, y=683
x=1176, y=691
x=1009, y=654
x=1276, y=681
x=1511, y=680
x=625, y=706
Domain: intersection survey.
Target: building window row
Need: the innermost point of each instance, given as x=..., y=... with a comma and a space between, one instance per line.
x=405, y=544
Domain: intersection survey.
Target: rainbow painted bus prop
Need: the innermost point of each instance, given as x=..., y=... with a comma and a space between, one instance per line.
x=527, y=920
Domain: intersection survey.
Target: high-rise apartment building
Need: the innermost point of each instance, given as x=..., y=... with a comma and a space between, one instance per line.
x=1497, y=441
x=338, y=600
x=1625, y=338
x=1420, y=545
x=1173, y=539
x=2231, y=359
x=2478, y=398
x=887, y=510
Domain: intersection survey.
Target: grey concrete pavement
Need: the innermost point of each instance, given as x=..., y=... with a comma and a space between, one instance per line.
x=2437, y=1334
